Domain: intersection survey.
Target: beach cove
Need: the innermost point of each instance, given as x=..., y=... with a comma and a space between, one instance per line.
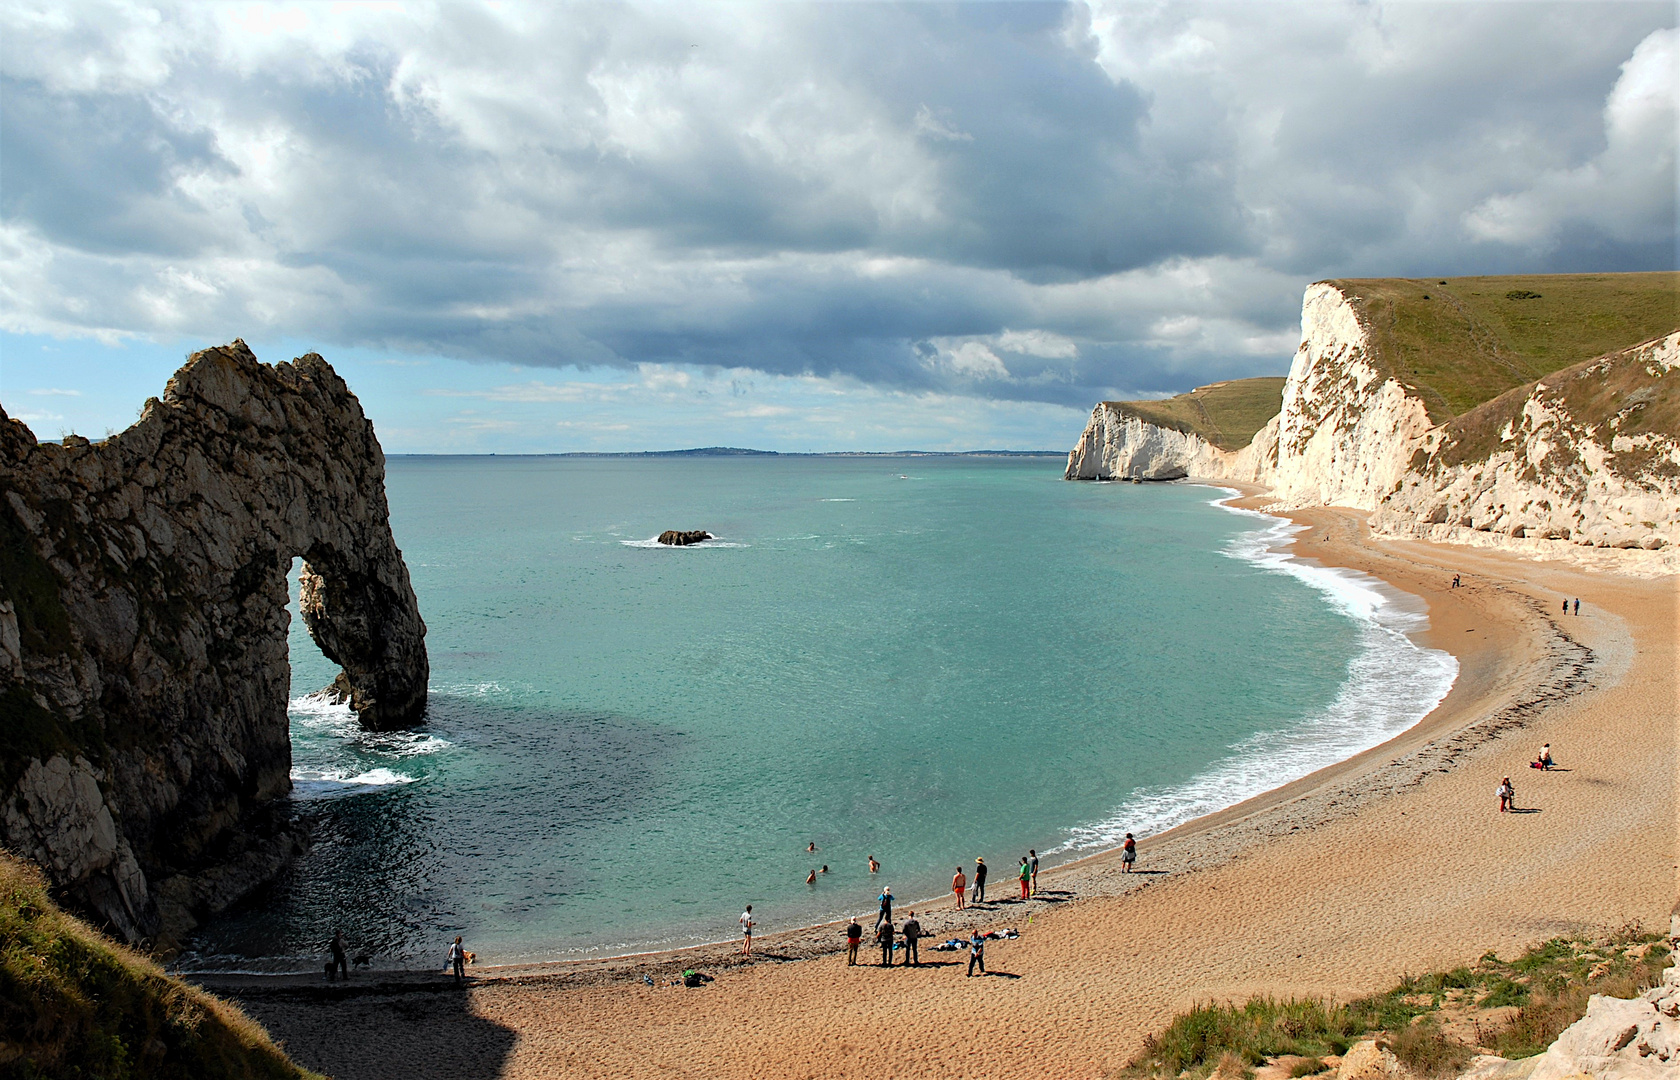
x=1393, y=861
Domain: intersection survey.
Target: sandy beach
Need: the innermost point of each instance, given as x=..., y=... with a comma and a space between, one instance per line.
x=1394, y=861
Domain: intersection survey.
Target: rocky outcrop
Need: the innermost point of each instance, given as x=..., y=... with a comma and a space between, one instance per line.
x=678, y=538
x=143, y=666
x=1617, y=1039
x=1586, y=457
x=1589, y=455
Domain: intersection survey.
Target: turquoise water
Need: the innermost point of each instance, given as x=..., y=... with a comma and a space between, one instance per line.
x=920, y=659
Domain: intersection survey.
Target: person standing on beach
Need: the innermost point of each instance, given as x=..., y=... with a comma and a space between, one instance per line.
x=911, y=932
x=338, y=955
x=959, y=885
x=1577, y=605
x=885, y=914
x=1507, y=795
x=884, y=934
x=976, y=952
x=1128, y=854
x=979, y=880
x=1034, y=853
x=747, y=923
x=1545, y=758
x=458, y=958
x=1026, y=877
x=854, y=938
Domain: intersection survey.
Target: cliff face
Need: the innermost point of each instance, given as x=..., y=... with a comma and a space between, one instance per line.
x=1587, y=456
x=143, y=664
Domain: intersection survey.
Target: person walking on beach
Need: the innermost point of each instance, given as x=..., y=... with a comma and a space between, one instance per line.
x=959, y=885
x=911, y=932
x=458, y=958
x=854, y=938
x=1026, y=877
x=885, y=914
x=339, y=958
x=884, y=934
x=976, y=952
x=1128, y=854
x=979, y=880
x=747, y=923
x=1507, y=795
x=1034, y=853
x=1545, y=758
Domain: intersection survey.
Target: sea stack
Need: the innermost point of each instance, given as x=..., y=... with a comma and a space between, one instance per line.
x=679, y=538
x=143, y=661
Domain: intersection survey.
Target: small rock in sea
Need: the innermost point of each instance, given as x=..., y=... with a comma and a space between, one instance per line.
x=679, y=538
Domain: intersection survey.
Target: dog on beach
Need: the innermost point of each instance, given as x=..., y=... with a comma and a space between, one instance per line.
x=365, y=960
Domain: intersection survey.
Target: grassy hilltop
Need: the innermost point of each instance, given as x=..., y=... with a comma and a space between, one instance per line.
x=73, y=1003
x=1457, y=342
x=1226, y=414
x=1462, y=341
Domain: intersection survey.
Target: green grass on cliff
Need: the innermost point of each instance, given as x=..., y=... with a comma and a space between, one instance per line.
x=1462, y=341
x=1434, y=1023
x=1226, y=414
x=74, y=1004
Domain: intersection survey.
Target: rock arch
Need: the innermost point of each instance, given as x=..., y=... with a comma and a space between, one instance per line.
x=143, y=665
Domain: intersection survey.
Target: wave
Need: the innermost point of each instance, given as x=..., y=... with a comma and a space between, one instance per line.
x=653, y=542
x=1392, y=684
x=319, y=714
x=332, y=783
x=837, y=500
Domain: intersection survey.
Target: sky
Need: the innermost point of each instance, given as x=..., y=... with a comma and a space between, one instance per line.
x=551, y=227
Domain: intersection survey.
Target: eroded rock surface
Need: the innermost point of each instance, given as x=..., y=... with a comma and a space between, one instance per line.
x=683, y=538
x=143, y=663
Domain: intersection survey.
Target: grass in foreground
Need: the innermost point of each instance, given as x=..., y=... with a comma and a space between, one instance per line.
x=1423, y=1020
x=73, y=1003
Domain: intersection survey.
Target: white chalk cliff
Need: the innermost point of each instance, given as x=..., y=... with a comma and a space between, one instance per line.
x=1573, y=461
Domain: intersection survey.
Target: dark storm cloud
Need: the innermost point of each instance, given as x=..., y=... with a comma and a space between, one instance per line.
x=1018, y=201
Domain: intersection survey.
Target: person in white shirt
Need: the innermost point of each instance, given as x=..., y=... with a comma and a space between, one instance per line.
x=747, y=924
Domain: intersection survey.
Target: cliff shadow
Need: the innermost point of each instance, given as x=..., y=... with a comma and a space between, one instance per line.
x=377, y=1031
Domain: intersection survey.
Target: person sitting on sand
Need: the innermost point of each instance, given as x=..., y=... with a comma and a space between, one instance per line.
x=854, y=938
x=959, y=885
x=1128, y=854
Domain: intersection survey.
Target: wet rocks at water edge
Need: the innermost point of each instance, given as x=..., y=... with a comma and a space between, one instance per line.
x=681, y=538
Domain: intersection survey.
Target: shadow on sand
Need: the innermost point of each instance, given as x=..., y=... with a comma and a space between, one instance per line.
x=379, y=1028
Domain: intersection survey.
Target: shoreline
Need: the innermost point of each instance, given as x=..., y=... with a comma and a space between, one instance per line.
x=1335, y=885
x=1059, y=883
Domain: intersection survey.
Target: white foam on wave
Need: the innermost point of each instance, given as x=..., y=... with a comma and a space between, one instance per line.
x=1392, y=684
x=837, y=500
x=653, y=542
x=331, y=783
x=318, y=713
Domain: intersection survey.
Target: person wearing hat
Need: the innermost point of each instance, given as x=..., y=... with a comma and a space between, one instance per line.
x=979, y=880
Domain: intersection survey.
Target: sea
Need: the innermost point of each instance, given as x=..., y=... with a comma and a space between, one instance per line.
x=920, y=660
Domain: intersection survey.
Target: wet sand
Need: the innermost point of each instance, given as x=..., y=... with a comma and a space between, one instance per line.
x=1394, y=861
